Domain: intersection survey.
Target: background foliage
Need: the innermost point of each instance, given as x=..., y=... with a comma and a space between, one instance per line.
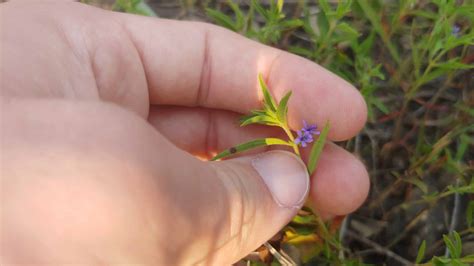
x=412, y=60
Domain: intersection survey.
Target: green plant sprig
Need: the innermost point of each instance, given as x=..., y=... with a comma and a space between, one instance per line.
x=276, y=115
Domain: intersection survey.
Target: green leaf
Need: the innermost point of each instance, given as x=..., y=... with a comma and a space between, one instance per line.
x=468, y=259
x=279, y=6
x=380, y=105
x=323, y=23
x=454, y=64
x=259, y=119
x=418, y=183
x=302, y=230
x=343, y=7
x=324, y=4
x=453, y=42
x=308, y=27
x=317, y=149
x=462, y=189
x=421, y=252
x=376, y=21
x=436, y=73
x=250, y=145
x=348, y=32
x=306, y=219
x=256, y=5
x=267, y=97
x=301, y=51
x=290, y=24
x=453, y=249
x=221, y=19
x=449, y=244
x=470, y=213
x=282, y=109
x=135, y=7
x=366, y=46
x=240, y=18
x=457, y=243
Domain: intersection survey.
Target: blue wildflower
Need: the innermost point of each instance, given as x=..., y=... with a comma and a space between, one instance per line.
x=304, y=137
x=311, y=129
x=456, y=30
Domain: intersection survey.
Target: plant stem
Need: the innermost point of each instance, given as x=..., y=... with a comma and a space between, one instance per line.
x=292, y=139
x=454, y=216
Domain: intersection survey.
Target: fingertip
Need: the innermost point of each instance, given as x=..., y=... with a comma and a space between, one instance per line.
x=319, y=96
x=352, y=117
x=340, y=184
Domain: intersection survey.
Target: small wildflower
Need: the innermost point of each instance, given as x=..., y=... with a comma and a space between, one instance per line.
x=311, y=129
x=456, y=30
x=304, y=137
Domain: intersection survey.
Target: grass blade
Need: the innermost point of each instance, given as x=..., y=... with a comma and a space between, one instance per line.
x=317, y=149
x=250, y=145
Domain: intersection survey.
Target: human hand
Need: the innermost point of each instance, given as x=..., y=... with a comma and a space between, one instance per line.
x=100, y=113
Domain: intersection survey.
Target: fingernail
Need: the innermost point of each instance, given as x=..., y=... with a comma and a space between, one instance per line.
x=285, y=176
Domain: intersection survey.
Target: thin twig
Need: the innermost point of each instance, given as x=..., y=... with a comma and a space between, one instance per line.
x=357, y=145
x=374, y=151
x=378, y=248
x=342, y=234
x=454, y=216
x=419, y=217
x=284, y=260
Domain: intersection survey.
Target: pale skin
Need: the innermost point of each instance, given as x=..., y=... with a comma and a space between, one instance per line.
x=101, y=114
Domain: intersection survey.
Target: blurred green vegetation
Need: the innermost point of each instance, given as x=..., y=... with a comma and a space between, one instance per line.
x=412, y=60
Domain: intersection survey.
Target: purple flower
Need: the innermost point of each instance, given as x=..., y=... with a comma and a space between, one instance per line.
x=456, y=30
x=304, y=137
x=311, y=129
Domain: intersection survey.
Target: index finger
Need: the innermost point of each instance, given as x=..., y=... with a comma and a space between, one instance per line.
x=198, y=64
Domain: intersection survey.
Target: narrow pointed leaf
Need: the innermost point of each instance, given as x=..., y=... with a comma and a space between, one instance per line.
x=317, y=149
x=421, y=252
x=221, y=19
x=255, y=4
x=450, y=245
x=250, y=145
x=457, y=244
x=259, y=112
x=239, y=15
x=279, y=6
x=468, y=259
x=247, y=119
x=252, y=115
x=282, y=109
x=267, y=97
x=258, y=119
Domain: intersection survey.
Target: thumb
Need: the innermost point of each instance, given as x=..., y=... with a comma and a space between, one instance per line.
x=119, y=192
x=245, y=201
